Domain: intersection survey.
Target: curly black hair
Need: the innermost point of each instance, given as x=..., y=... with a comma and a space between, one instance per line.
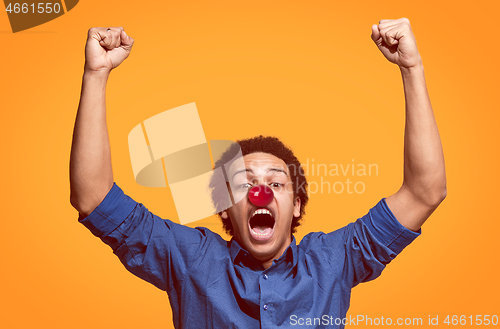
x=271, y=145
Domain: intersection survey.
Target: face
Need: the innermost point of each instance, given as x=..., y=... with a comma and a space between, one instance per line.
x=265, y=231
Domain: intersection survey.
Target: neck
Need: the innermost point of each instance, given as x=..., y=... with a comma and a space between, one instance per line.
x=267, y=262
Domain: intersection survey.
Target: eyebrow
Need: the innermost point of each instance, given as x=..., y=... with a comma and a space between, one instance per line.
x=269, y=170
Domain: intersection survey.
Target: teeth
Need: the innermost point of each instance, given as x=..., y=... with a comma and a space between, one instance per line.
x=261, y=211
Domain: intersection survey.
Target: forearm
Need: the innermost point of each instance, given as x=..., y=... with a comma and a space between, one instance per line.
x=91, y=175
x=424, y=169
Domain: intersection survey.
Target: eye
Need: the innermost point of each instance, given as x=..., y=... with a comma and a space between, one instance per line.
x=245, y=185
x=276, y=185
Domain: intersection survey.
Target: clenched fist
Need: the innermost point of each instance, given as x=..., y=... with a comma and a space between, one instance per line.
x=106, y=48
x=396, y=41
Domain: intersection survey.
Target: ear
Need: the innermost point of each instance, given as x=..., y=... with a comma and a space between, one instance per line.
x=224, y=214
x=296, y=207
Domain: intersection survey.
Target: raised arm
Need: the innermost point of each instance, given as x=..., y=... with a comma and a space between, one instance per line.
x=424, y=182
x=91, y=174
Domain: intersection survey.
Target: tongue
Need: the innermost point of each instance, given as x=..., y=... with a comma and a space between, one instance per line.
x=262, y=229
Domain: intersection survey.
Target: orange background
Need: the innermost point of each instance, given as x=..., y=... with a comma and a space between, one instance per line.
x=305, y=71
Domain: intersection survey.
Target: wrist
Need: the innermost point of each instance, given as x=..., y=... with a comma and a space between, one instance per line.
x=88, y=71
x=411, y=70
x=98, y=76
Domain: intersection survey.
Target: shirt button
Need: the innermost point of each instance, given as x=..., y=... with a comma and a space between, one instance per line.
x=265, y=307
x=265, y=276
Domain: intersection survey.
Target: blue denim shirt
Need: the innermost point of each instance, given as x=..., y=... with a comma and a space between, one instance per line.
x=214, y=283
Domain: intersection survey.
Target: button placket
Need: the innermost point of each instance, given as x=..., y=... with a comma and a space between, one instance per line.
x=266, y=291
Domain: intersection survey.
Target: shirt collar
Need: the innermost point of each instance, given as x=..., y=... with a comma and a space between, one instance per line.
x=289, y=255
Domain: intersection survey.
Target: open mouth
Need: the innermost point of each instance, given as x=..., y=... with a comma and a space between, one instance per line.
x=262, y=224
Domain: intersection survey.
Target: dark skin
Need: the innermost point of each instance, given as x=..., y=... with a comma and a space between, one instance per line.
x=262, y=168
x=422, y=190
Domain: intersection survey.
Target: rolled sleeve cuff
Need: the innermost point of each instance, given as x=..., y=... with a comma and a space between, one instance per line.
x=387, y=229
x=110, y=213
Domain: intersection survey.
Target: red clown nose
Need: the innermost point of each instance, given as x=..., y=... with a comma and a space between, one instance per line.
x=261, y=195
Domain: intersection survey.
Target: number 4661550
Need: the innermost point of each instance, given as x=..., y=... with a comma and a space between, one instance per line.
x=41, y=8
x=464, y=320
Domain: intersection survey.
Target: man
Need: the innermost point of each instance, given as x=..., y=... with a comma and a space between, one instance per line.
x=261, y=278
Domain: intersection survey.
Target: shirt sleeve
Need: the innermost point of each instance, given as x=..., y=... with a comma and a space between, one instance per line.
x=156, y=250
x=370, y=243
